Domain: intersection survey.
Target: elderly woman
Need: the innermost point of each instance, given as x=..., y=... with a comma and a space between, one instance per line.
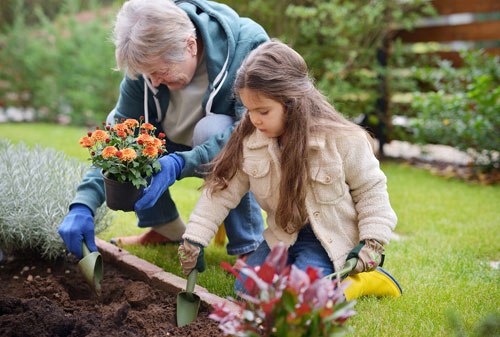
x=180, y=60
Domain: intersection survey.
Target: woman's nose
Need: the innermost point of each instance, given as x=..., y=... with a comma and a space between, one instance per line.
x=155, y=80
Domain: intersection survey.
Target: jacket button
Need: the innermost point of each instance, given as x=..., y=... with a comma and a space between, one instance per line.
x=254, y=171
x=330, y=240
x=316, y=214
x=328, y=179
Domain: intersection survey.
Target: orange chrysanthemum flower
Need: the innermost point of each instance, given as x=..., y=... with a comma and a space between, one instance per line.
x=150, y=151
x=128, y=154
x=131, y=123
x=86, y=142
x=120, y=127
x=157, y=143
x=109, y=151
x=147, y=126
x=99, y=136
x=146, y=139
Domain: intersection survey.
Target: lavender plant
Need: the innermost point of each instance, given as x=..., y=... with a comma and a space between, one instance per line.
x=36, y=188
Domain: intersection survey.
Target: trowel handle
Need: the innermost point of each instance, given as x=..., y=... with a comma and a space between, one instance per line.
x=191, y=282
x=85, y=249
x=349, y=266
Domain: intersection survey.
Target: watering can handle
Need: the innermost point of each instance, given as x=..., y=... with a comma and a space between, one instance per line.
x=349, y=266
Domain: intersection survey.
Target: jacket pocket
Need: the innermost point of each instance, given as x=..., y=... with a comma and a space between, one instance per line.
x=260, y=177
x=328, y=184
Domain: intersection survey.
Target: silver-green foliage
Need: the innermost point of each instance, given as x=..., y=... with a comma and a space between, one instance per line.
x=36, y=188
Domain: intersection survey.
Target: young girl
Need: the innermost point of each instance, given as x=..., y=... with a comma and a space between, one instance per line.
x=309, y=168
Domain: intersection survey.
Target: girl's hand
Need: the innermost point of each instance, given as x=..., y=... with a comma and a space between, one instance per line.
x=370, y=255
x=191, y=257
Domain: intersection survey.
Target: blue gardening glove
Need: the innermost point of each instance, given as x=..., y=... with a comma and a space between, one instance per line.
x=77, y=226
x=370, y=254
x=171, y=167
x=191, y=256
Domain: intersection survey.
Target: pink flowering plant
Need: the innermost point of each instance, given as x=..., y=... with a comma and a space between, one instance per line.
x=126, y=151
x=283, y=300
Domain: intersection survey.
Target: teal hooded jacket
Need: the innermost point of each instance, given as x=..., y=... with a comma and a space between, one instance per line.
x=228, y=39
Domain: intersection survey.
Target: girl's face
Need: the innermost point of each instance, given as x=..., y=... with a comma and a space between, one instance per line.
x=266, y=114
x=176, y=76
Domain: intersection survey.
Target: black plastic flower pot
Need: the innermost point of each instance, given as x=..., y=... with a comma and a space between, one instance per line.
x=120, y=196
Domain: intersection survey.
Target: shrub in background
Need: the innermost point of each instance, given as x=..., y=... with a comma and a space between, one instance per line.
x=36, y=188
x=339, y=39
x=284, y=301
x=61, y=68
x=8, y=9
x=463, y=111
x=64, y=66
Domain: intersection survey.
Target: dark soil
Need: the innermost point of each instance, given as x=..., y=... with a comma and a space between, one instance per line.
x=39, y=298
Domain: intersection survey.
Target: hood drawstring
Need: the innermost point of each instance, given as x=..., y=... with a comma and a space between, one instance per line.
x=147, y=84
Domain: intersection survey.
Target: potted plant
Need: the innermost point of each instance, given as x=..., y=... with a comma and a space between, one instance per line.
x=284, y=301
x=127, y=152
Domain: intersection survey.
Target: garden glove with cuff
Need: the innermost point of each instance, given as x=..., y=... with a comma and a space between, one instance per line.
x=191, y=256
x=370, y=254
x=77, y=226
x=171, y=167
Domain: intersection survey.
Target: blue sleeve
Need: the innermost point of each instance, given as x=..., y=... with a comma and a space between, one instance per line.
x=91, y=191
x=203, y=154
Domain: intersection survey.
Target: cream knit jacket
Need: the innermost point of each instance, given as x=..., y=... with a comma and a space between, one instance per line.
x=346, y=202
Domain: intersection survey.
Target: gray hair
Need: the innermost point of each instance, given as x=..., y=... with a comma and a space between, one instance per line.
x=147, y=32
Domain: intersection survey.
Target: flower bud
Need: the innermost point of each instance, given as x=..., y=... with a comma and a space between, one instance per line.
x=108, y=127
x=108, y=140
x=89, y=134
x=93, y=153
x=140, y=142
x=103, y=123
x=141, y=118
x=118, y=154
x=161, y=135
x=97, y=127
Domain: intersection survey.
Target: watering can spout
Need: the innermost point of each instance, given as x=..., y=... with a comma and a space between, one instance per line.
x=91, y=268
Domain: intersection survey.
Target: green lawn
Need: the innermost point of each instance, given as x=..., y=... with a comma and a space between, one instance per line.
x=449, y=232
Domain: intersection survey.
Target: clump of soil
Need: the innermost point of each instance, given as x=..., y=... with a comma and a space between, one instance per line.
x=39, y=298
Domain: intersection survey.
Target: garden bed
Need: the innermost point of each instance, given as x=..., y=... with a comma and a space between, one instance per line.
x=39, y=298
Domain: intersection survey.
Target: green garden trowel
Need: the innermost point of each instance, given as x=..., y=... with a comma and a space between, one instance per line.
x=187, y=302
x=91, y=267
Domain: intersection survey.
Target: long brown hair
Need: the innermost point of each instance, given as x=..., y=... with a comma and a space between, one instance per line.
x=280, y=73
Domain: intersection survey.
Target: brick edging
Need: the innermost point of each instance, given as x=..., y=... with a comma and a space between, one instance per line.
x=154, y=275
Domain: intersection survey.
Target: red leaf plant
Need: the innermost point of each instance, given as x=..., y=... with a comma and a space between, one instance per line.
x=283, y=300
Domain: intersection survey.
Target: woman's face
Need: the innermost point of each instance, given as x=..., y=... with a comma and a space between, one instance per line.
x=266, y=114
x=176, y=76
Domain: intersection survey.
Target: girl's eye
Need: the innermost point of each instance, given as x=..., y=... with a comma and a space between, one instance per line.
x=264, y=112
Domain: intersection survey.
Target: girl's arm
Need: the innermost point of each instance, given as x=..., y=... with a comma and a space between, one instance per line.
x=211, y=210
x=368, y=188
